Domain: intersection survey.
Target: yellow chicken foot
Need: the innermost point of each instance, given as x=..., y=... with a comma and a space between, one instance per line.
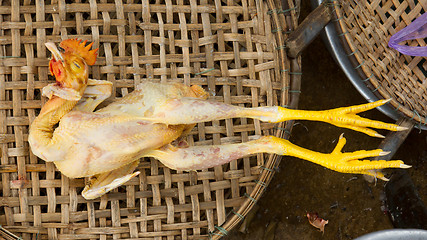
x=201, y=157
x=192, y=110
x=344, y=117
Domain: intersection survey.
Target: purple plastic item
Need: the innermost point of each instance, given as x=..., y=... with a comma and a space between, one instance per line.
x=417, y=29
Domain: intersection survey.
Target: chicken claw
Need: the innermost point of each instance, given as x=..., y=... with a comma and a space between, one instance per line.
x=345, y=117
x=350, y=163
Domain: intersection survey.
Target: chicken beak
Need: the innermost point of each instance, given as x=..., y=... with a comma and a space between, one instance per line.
x=56, y=54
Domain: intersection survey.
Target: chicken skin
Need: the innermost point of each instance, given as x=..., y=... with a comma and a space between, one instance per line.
x=106, y=144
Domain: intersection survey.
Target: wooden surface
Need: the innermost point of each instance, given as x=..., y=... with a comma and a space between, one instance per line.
x=309, y=29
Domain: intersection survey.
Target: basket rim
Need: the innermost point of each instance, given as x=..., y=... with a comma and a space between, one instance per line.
x=365, y=81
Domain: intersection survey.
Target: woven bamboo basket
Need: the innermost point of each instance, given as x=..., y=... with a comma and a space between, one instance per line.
x=233, y=49
x=365, y=28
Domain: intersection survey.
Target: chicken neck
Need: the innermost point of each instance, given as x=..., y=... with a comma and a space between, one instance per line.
x=41, y=136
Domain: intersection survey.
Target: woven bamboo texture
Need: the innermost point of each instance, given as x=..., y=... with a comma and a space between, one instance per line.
x=233, y=49
x=366, y=27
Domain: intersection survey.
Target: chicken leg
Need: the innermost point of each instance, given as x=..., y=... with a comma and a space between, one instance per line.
x=201, y=157
x=193, y=110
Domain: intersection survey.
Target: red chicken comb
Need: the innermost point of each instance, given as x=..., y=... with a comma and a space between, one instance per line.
x=79, y=48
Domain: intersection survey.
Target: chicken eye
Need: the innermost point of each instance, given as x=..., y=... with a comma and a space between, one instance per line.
x=76, y=67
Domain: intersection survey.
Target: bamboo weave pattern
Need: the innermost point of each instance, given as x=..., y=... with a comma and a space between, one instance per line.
x=230, y=48
x=366, y=28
